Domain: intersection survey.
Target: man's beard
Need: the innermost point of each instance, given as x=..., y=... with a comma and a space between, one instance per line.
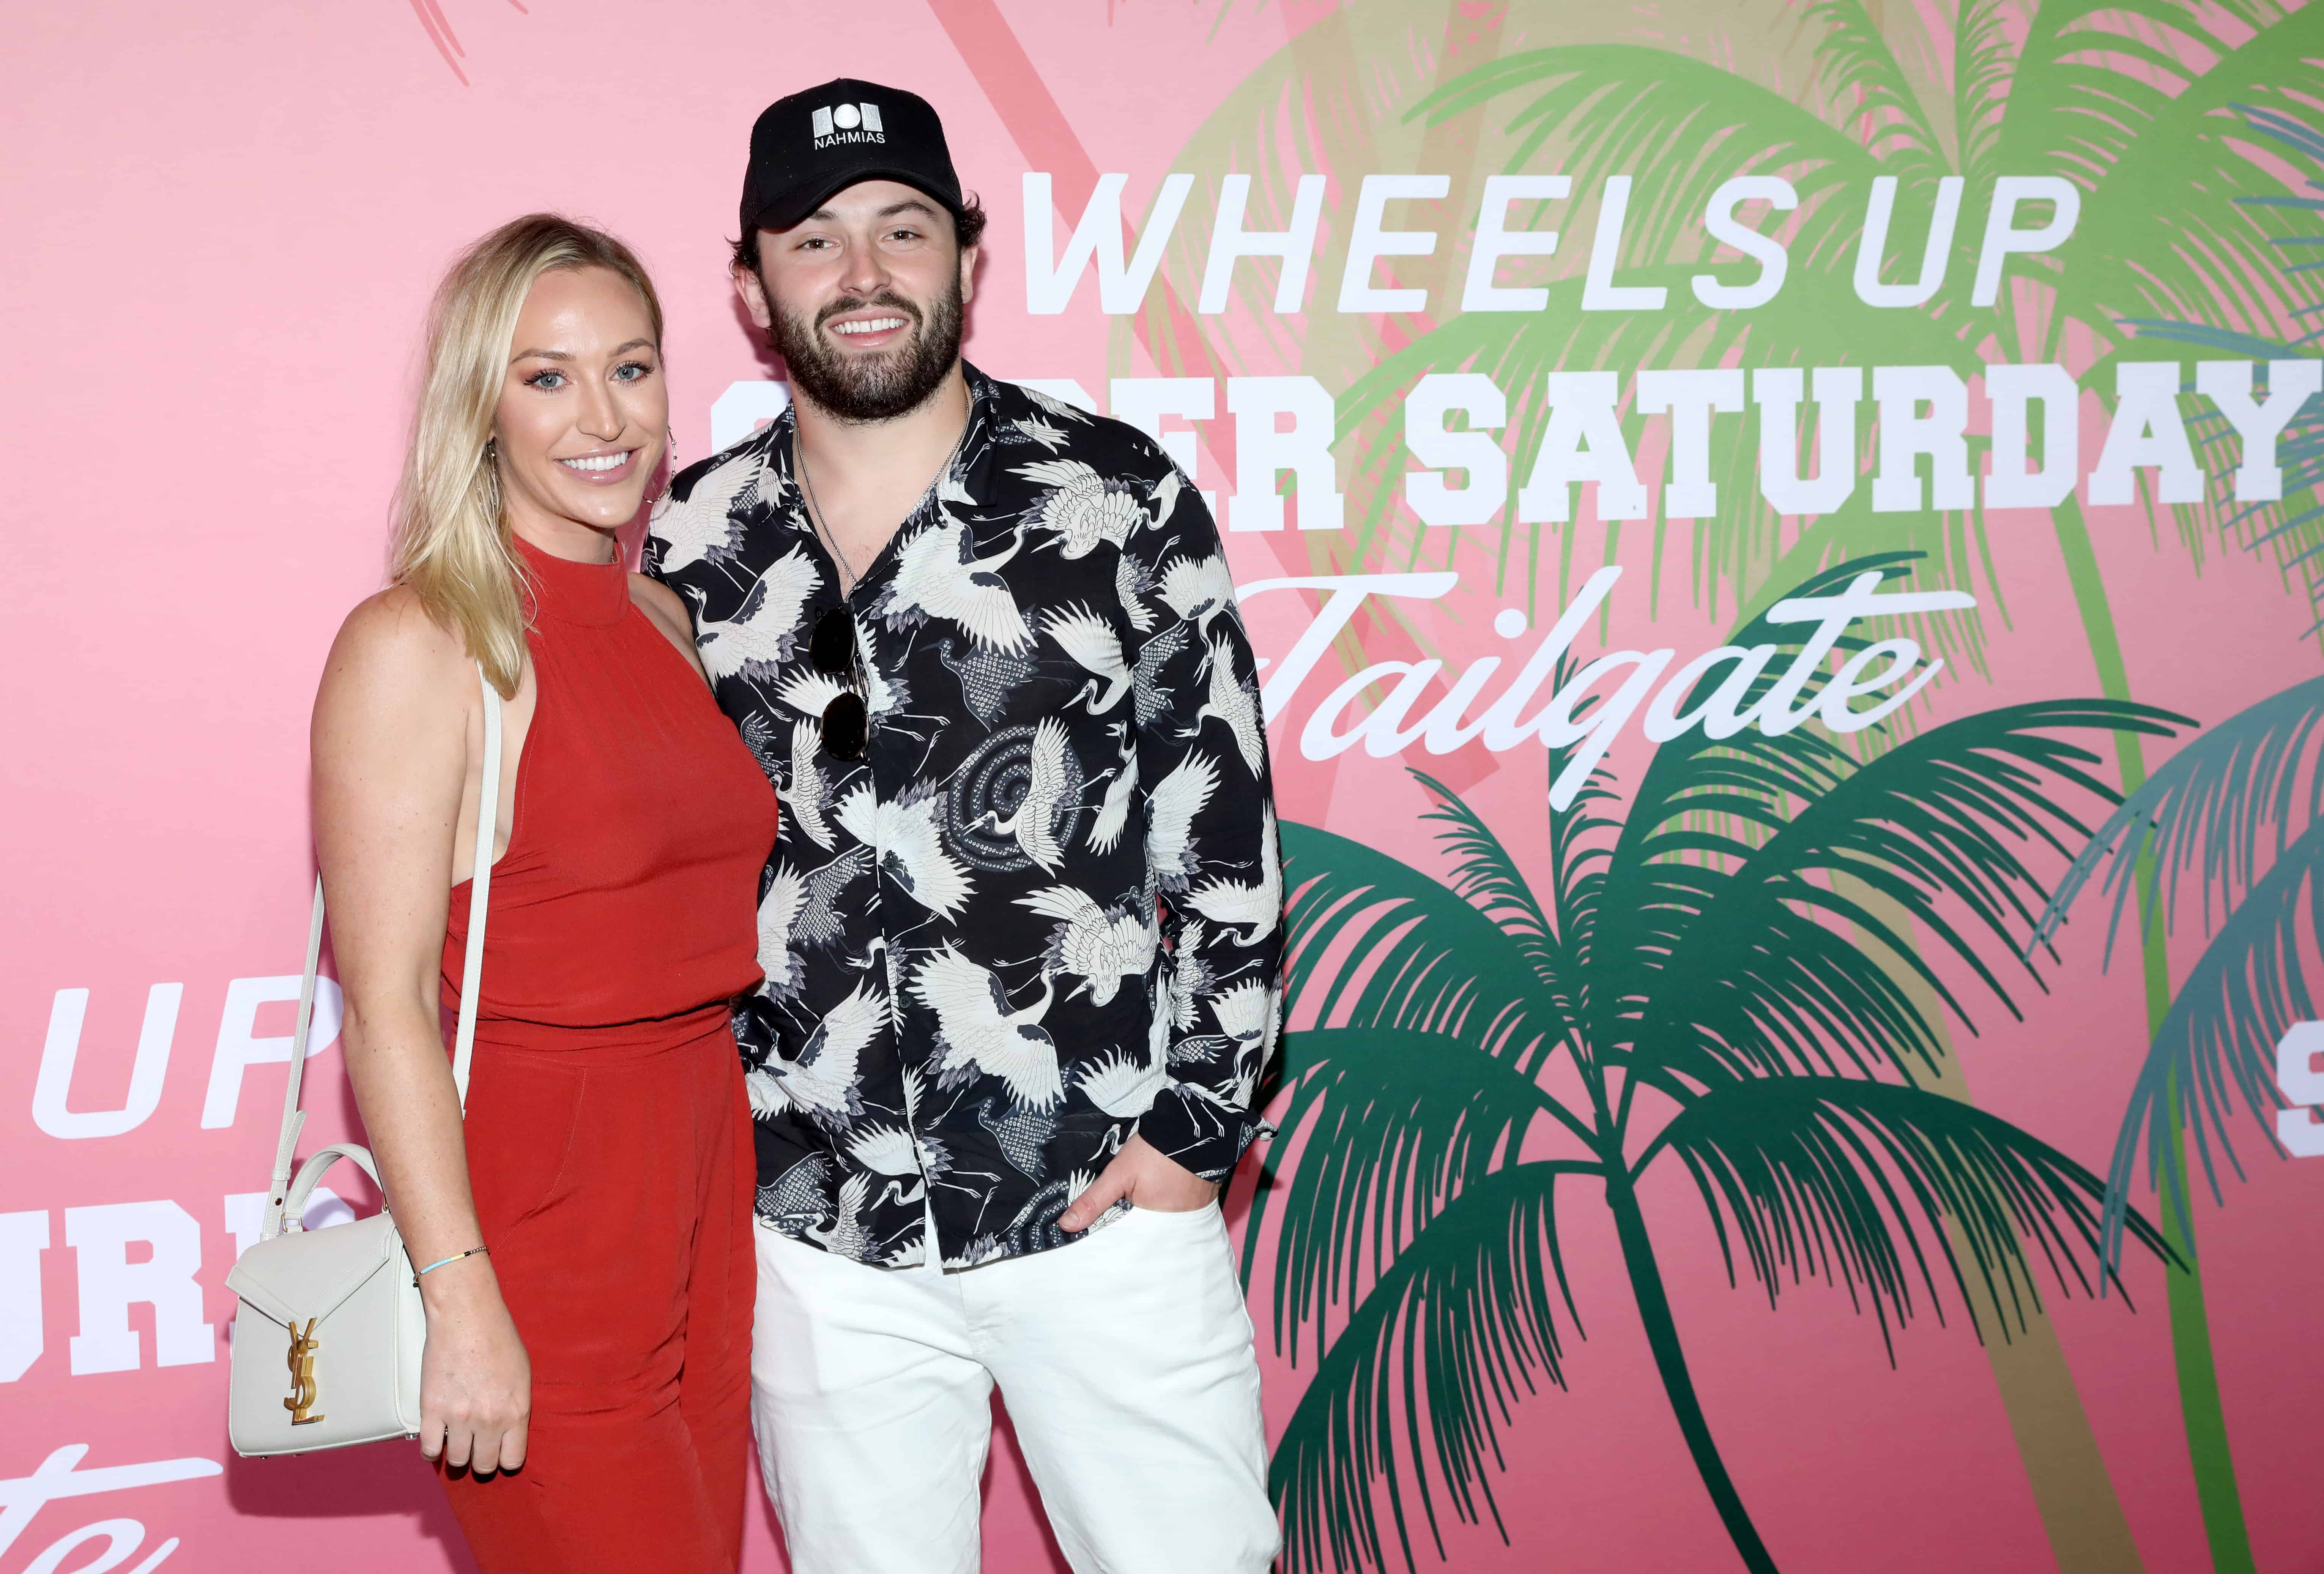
x=875, y=387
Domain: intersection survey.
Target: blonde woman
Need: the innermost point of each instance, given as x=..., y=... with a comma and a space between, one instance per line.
x=583, y=1239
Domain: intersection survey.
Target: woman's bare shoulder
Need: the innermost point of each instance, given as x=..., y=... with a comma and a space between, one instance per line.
x=390, y=642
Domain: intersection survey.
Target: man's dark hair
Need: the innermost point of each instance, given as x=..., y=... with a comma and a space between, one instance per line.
x=967, y=227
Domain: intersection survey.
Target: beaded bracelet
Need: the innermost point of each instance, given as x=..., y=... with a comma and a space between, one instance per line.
x=471, y=1252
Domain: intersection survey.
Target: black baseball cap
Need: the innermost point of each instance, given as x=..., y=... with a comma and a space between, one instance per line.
x=812, y=144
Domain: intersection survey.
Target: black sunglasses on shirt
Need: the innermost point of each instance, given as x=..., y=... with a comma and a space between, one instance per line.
x=847, y=719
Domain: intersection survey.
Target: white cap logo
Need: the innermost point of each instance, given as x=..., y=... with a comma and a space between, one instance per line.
x=845, y=117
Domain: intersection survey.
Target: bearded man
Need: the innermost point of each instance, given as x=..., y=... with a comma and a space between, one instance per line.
x=1021, y=928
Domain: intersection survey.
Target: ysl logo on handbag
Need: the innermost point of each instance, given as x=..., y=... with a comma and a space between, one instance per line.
x=303, y=1345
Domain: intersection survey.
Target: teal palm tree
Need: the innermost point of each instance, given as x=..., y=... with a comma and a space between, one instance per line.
x=1725, y=969
x=2242, y=806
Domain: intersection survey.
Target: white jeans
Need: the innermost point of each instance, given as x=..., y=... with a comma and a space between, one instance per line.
x=1127, y=1366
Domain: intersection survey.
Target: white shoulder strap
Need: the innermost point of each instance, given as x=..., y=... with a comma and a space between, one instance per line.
x=488, y=809
x=480, y=887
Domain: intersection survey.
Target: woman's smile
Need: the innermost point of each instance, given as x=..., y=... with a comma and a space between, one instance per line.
x=603, y=469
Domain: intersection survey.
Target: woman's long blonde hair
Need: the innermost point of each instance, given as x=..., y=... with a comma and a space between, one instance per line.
x=452, y=540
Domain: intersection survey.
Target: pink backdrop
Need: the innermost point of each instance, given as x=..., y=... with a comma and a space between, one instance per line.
x=226, y=221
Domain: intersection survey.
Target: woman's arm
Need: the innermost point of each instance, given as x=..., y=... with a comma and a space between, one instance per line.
x=392, y=760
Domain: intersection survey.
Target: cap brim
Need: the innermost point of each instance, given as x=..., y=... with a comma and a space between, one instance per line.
x=793, y=207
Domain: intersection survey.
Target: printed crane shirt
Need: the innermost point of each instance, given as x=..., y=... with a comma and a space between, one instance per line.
x=1044, y=911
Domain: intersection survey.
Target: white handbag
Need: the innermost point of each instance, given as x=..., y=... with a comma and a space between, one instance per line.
x=326, y=1341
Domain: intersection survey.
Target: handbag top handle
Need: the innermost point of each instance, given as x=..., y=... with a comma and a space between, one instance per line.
x=488, y=807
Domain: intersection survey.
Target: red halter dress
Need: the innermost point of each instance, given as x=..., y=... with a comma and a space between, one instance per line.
x=608, y=1133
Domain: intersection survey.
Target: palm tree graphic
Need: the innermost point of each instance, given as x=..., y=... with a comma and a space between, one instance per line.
x=2147, y=110
x=1725, y=968
x=2241, y=806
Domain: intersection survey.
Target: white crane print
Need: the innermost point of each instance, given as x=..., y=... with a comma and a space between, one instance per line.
x=903, y=834
x=759, y=737
x=1246, y=1084
x=1170, y=813
x=703, y=526
x=1254, y=908
x=1035, y=429
x=1150, y=701
x=766, y=1093
x=1121, y=1086
x=844, y=1236
x=1198, y=588
x=805, y=800
x=890, y=1150
x=1095, y=648
x=1133, y=584
x=1101, y=946
x=1034, y=825
x=1023, y=1135
x=1113, y=813
x=1082, y=508
x=1166, y=497
x=1190, y=977
x=795, y=1197
x=1236, y=703
x=1243, y=1012
x=876, y=952
x=978, y=1033
x=779, y=912
x=819, y=920
x=987, y=678
x=821, y=1080
x=937, y=577
x=1055, y=405
x=766, y=625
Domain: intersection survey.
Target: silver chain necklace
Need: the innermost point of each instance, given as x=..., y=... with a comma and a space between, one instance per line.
x=849, y=577
x=847, y=574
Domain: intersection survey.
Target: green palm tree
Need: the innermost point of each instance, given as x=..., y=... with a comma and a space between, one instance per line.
x=2142, y=105
x=2290, y=529
x=2137, y=105
x=1722, y=969
x=1335, y=98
